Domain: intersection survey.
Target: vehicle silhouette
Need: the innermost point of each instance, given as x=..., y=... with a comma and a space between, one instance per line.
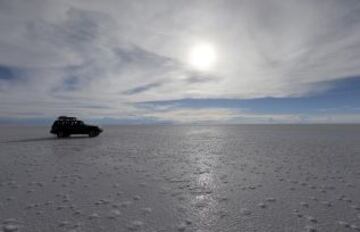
x=65, y=126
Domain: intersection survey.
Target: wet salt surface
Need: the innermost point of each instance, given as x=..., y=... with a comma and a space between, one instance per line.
x=182, y=178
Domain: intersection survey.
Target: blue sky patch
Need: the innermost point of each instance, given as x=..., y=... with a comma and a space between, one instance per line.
x=6, y=73
x=344, y=96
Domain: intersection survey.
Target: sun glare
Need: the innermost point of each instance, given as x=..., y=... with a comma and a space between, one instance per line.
x=202, y=56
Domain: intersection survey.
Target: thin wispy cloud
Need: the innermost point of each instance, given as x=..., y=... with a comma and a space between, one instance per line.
x=58, y=55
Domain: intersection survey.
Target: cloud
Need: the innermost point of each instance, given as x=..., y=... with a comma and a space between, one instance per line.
x=114, y=54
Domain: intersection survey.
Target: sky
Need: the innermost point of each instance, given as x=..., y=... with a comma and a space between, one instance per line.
x=190, y=61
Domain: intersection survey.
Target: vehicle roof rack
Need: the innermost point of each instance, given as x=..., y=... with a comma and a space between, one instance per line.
x=65, y=118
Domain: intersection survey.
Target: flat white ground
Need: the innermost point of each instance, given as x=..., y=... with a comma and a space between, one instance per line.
x=182, y=178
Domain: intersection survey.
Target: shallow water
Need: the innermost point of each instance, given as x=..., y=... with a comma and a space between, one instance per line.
x=182, y=178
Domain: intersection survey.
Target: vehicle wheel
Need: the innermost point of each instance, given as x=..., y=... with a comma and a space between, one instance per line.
x=60, y=134
x=92, y=134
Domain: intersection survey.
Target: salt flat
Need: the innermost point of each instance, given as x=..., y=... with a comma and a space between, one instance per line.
x=182, y=178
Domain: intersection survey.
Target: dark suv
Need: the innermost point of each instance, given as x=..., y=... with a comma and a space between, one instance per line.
x=65, y=126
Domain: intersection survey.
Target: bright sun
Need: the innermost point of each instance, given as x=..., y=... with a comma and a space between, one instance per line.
x=202, y=56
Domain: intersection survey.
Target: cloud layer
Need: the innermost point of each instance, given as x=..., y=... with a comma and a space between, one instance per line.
x=100, y=58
